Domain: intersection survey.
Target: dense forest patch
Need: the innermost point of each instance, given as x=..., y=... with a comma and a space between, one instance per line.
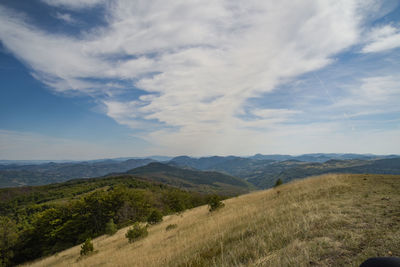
x=43, y=220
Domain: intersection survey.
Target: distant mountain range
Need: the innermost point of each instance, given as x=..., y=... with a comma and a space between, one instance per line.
x=290, y=170
x=322, y=157
x=260, y=170
x=47, y=173
x=37, y=162
x=263, y=171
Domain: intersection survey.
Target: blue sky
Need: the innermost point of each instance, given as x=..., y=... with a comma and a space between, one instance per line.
x=85, y=79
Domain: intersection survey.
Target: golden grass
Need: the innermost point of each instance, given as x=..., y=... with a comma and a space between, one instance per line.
x=331, y=220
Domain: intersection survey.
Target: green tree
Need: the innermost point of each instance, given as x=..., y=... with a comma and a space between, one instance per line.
x=111, y=228
x=155, y=217
x=176, y=200
x=8, y=238
x=215, y=203
x=278, y=182
x=87, y=247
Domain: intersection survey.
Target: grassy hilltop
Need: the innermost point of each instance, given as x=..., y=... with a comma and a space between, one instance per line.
x=331, y=220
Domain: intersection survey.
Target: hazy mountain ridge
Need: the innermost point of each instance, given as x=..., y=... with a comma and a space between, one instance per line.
x=322, y=157
x=195, y=180
x=260, y=170
x=263, y=171
x=302, y=170
x=16, y=175
x=203, y=163
x=37, y=162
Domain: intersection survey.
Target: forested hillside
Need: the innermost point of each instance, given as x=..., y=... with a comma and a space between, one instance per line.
x=194, y=180
x=41, y=220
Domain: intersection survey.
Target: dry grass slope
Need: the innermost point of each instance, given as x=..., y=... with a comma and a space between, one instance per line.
x=331, y=220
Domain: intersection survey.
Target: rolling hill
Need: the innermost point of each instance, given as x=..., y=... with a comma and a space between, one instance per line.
x=261, y=170
x=40, y=174
x=331, y=220
x=153, y=174
x=194, y=180
x=289, y=170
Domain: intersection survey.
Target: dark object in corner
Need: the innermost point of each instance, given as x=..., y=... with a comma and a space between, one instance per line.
x=381, y=262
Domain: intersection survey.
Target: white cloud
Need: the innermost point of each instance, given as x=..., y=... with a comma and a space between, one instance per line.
x=380, y=89
x=59, y=61
x=200, y=61
x=73, y=4
x=382, y=39
x=273, y=113
x=66, y=17
x=374, y=95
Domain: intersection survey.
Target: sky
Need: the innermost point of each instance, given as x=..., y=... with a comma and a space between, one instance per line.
x=89, y=79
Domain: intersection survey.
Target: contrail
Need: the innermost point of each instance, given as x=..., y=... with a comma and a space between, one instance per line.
x=326, y=90
x=346, y=117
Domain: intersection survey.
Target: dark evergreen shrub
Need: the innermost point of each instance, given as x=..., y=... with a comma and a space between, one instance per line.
x=155, y=217
x=111, y=227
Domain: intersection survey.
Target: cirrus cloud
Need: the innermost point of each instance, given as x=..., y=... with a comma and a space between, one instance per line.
x=197, y=63
x=383, y=38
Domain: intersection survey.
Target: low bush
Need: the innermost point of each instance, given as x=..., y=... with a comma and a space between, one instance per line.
x=136, y=232
x=171, y=226
x=215, y=203
x=87, y=247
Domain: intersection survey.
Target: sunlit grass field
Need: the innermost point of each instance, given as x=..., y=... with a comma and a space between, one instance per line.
x=330, y=220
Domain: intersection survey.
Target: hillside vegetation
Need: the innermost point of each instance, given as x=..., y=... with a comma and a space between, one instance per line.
x=331, y=220
x=193, y=180
x=42, y=220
